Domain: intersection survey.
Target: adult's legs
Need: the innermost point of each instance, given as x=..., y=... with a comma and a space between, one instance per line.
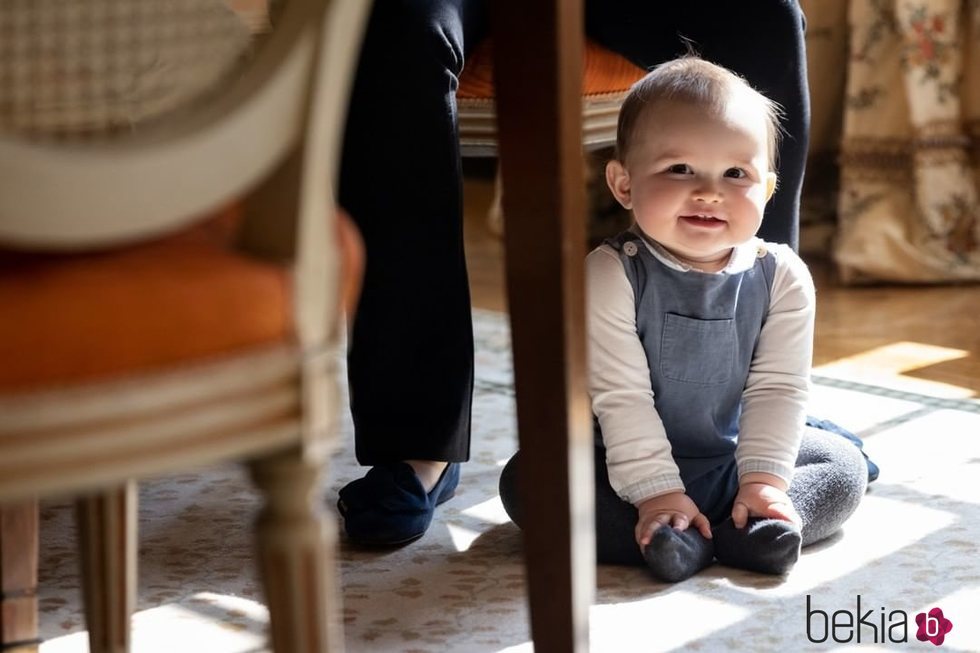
x=410, y=365
x=762, y=40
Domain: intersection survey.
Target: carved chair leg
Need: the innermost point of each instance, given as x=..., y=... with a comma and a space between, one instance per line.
x=107, y=525
x=18, y=577
x=296, y=552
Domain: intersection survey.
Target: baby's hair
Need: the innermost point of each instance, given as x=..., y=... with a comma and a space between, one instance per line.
x=691, y=80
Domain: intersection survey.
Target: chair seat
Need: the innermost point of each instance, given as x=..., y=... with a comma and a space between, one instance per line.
x=85, y=317
x=607, y=78
x=603, y=72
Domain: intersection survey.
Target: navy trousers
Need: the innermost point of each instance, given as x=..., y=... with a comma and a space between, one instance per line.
x=410, y=362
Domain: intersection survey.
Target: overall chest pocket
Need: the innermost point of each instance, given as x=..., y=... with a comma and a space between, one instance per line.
x=697, y=351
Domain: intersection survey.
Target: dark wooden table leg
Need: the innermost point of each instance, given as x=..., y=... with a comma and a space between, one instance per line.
x=18, y=577
x=538, y=73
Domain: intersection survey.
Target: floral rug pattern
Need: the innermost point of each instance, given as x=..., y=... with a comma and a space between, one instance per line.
x=911, y=547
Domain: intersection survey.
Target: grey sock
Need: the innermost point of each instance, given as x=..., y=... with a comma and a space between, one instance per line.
x=674, y=555
x=769, y=546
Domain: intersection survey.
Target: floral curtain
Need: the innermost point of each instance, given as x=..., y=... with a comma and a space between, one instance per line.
x=908, y=167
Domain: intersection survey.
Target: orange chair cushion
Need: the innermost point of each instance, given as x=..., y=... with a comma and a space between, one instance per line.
x=603, y=72
x=82, y=317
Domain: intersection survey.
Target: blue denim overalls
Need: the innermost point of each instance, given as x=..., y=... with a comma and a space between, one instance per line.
x=699, y=332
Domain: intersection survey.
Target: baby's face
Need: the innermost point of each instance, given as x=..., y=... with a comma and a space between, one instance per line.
x=696, y=181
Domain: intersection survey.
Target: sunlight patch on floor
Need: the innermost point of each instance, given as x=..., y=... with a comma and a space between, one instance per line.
x=74, y=643
x=665, y=622
x=462, y=537
x=203, y=622
x=933, y=454
x=490, y=511
x=852, y=409
x=887, y=366
x=874, y=516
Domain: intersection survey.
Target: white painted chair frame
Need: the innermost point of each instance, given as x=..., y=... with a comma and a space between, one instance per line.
x=275, y=136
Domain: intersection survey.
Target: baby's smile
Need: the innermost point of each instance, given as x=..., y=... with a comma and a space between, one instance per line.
x=703, y=220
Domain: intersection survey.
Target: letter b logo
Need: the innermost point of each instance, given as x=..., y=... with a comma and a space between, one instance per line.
x=932, y=626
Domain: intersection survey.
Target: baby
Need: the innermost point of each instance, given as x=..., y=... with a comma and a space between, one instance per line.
x=700, y=342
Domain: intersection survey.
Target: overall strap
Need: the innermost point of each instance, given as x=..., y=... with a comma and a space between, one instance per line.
x=628, y=245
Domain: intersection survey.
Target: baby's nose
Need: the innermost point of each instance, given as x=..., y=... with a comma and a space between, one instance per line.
x=707, y=192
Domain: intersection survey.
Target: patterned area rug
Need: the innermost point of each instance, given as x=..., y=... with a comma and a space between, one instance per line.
x=911, y=547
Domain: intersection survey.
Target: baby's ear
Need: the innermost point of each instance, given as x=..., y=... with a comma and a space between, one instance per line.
x=770, y=184
x=618, y=180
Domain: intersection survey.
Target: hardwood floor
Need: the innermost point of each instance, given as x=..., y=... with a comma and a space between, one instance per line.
x=922, y=339
x=484, y=250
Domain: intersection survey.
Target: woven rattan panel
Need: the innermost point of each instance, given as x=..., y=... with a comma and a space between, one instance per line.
x=97, y=67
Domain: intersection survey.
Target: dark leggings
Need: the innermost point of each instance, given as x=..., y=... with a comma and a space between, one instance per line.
x=411, y=347
x=828, y=483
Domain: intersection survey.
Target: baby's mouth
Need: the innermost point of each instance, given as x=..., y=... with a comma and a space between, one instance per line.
x=705, y=220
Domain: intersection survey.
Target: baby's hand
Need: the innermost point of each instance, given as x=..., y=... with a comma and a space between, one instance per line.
x=675, y=509
x=757, y=499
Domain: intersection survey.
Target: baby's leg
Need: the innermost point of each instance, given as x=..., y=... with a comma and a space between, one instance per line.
x=768, y=546
x=674, y=555
x=671, y=556
x=828, y=483
x=615, y=518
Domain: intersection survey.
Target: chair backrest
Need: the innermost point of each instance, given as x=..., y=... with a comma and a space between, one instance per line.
x=125, y=119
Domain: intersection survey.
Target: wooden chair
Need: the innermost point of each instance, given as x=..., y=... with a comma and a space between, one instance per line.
x=139, y=338
x=606, y=79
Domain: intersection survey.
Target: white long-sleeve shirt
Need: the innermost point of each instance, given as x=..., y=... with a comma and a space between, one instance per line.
x=638, y=454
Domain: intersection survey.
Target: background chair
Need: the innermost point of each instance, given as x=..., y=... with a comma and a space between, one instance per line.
x=606, y=79
x=150, y=322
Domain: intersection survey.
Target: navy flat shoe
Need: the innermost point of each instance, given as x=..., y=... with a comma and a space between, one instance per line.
x=389, y=506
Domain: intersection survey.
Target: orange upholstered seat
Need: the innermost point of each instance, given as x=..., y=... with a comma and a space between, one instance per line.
x=606, y=80
x=81, y=317
x=603, y=71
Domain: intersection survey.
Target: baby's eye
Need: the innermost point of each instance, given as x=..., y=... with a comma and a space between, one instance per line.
x=735, y=173
x=679, y=169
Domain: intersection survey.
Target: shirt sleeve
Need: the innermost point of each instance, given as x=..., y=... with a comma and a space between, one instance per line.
x=778, y=386
x=638, y=453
